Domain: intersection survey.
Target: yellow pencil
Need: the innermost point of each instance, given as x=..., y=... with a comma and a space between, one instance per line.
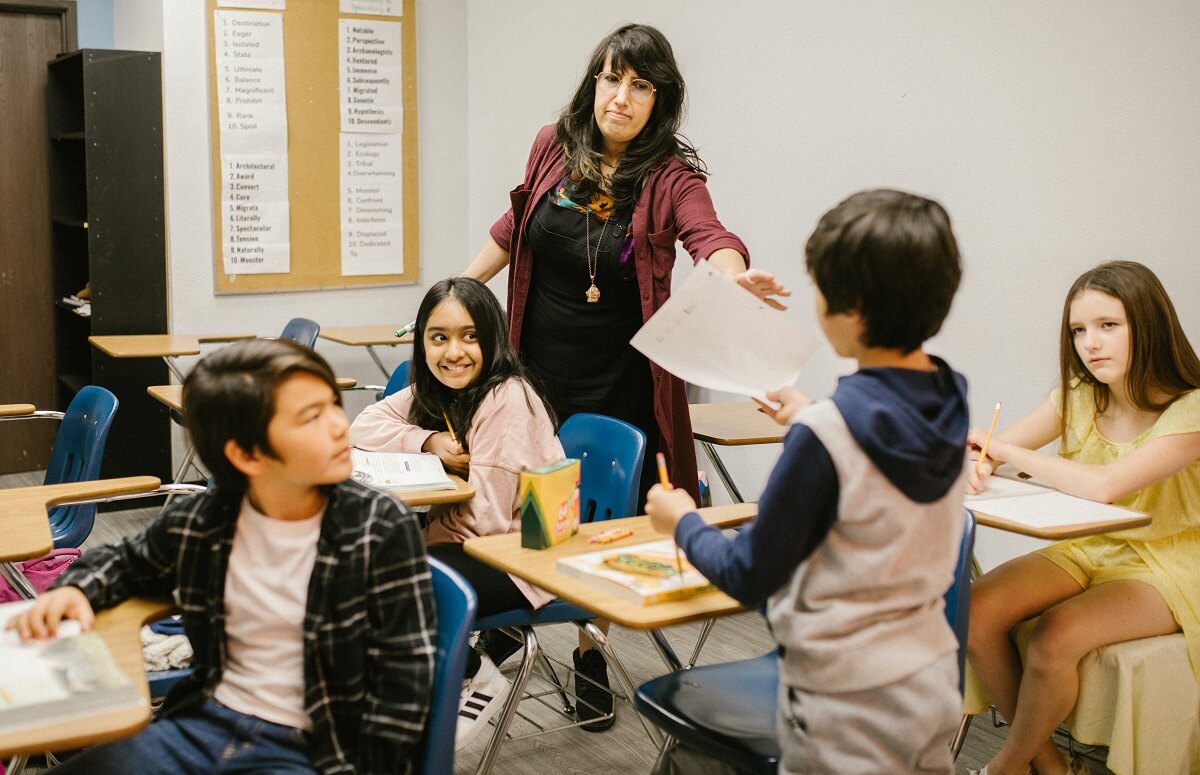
x=987, y=439
x=665, y=482
x=450, y=427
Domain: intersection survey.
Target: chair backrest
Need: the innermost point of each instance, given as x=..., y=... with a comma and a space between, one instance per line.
x=958, y=597
x=398, y=381
x=301, y=330
x=456, y=603
x=611, y=452
x=76, y=457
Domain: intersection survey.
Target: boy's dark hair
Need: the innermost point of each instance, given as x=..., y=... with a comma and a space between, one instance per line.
x=892, y=257
x=431, y=398
x=230, y=394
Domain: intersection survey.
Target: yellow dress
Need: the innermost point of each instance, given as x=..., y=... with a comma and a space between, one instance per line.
x=1170, y=545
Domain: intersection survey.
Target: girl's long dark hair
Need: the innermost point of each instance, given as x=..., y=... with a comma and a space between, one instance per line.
x=645, y=50
x=1160, y=356
x=500, y=362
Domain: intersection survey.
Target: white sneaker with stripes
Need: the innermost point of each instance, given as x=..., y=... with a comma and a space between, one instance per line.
x=482, y=696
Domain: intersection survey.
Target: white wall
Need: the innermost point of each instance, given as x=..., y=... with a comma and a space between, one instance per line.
x=1057, y=136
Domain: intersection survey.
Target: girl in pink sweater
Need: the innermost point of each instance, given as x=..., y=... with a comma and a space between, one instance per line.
x=466, y=373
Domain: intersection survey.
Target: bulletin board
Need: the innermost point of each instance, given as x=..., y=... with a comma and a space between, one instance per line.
x=311, y=76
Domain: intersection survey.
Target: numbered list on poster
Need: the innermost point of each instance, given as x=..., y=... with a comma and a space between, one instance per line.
x=372, y=114
x=252, y=110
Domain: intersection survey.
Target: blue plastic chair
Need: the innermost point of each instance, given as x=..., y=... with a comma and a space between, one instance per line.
x=611, y=453
x=727, y=711
x=456, y=603
x=76, y=457
x=398, y=381
x=301, y=330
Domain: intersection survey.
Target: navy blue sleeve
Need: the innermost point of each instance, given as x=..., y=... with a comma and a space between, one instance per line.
x=796, y=511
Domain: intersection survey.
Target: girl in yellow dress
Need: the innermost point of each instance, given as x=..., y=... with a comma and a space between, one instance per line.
x=1127, y=418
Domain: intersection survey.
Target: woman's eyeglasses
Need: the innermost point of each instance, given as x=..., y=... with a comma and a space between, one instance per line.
x=640, y=90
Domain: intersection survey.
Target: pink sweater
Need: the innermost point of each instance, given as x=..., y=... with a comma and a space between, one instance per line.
x=511, y=432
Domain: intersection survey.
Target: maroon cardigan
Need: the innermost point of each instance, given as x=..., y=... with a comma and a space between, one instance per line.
x=674, y=205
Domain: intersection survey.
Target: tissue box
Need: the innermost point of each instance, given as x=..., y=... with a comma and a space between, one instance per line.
x=548, y=504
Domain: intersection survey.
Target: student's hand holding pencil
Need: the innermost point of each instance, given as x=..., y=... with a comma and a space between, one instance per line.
x=666, y=506
x=979, y=465
x=448, y=449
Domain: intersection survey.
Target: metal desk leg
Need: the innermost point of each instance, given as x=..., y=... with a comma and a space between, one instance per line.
x=664, y=649
x=375, y=357
x=173, y=368
x=726, y=479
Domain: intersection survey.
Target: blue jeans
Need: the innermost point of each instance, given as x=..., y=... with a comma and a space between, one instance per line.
x=210, y=738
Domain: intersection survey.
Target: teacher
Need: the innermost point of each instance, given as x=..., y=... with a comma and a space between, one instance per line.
x=590, y=240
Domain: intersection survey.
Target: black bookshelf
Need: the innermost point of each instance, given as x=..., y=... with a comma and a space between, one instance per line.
x=104, y=111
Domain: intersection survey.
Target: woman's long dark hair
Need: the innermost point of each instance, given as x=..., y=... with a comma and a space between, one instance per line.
x=1160, y=356
x=643, y=49
x=500, y=362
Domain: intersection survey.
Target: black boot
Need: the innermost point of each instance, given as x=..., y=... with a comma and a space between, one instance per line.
x=594, y=702
x=498, y=645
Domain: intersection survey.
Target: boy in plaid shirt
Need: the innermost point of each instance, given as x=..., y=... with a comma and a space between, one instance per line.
x=307, y=597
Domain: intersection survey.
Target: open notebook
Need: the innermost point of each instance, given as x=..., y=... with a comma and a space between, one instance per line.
x=400, y=471
x=70, y=676
x=1036, y=510
x=644, y=573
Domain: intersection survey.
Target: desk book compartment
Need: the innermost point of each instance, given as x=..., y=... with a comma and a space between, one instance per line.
x=639, y=587
x=50, y=681
x=400, y=471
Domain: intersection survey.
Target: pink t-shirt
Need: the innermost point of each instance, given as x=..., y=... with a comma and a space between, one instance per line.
x=266, y=595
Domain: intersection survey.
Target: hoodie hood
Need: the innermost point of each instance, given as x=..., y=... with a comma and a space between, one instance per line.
x=912, y=425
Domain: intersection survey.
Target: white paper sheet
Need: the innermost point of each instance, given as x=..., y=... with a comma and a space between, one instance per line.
x=372, y=7
x=262, y=5
x=716, y=334
x=372, y=204
x=369, y=75
x=400, y=471
x=252, y=121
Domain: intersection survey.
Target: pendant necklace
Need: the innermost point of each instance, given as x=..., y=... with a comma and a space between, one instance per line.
x=593, y=293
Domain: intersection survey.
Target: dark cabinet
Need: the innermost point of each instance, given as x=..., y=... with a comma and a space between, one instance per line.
x=104, y=111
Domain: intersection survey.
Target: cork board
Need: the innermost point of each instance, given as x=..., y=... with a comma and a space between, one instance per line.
x=311, y=77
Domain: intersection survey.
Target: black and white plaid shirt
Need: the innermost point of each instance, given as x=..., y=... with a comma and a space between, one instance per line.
x=369, y=628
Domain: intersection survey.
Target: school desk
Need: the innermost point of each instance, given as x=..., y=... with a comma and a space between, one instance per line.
x=537, y=567
x=1058, y=532
x=119, y=628
x=16, y=410
x=732, y=424
x=369, y=337
x=165, y=346
x=23, y=518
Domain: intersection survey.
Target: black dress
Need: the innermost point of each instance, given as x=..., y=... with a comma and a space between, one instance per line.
x=580, y=351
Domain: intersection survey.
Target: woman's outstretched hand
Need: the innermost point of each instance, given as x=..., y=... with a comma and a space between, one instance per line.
x=763, y=285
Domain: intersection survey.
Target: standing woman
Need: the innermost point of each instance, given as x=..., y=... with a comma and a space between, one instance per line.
x=590, y=241
x=590, y=238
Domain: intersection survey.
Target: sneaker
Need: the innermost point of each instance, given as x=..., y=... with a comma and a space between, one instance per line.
x=482, y=696
x=594, y=701
x=497, y=645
